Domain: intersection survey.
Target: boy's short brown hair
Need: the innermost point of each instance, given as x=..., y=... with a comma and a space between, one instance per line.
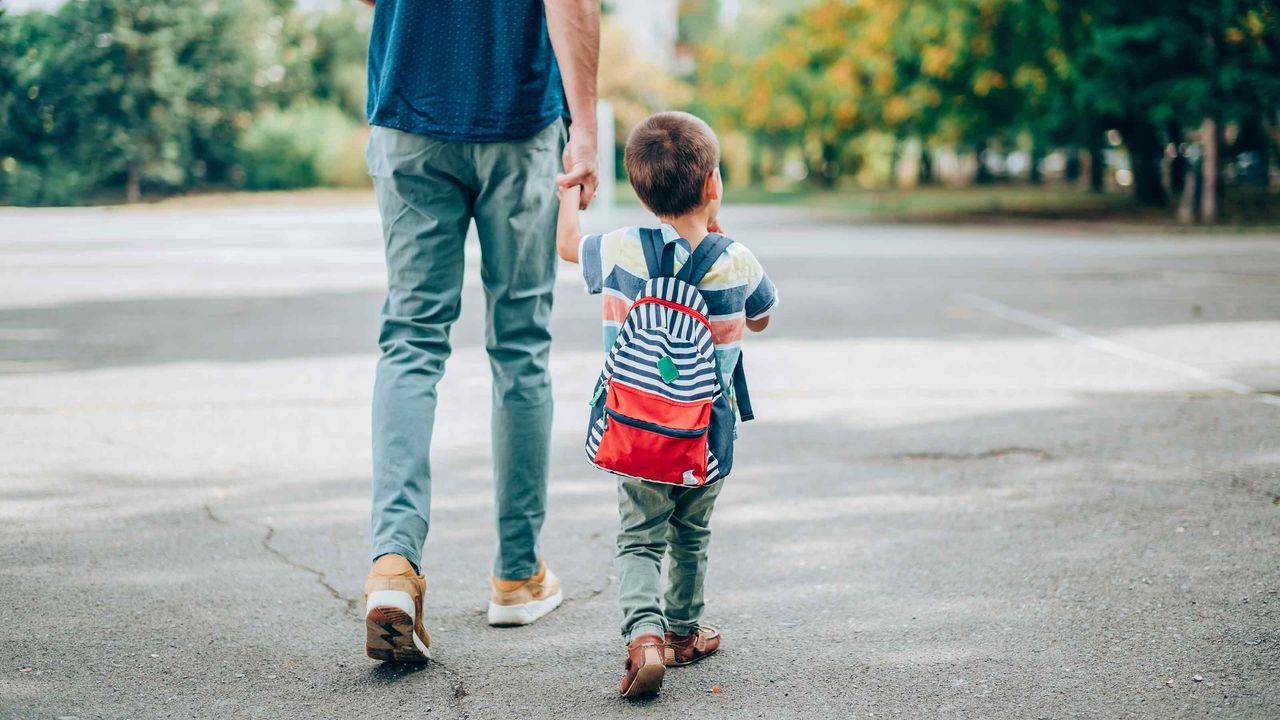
x=668, y=158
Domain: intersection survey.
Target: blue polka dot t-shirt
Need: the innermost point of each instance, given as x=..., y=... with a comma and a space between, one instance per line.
x=463, y=70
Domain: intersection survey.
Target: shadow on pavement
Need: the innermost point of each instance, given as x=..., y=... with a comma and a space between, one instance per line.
x=855, y=569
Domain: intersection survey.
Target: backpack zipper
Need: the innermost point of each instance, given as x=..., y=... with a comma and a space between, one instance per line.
x=674, y=306
x=659, y=429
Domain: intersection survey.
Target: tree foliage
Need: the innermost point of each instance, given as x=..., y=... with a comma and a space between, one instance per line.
x=953, y=70
x=137, y=94
x=966, y=72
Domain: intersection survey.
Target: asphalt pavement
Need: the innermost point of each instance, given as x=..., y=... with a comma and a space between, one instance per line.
x=1018, y=471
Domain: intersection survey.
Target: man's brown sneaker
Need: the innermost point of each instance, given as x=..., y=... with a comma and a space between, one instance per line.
x=686, y=649
x=393, y=595
x=644, y=669
x=520, y=602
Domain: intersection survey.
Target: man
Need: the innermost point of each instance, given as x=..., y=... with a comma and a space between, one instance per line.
x=469, y=102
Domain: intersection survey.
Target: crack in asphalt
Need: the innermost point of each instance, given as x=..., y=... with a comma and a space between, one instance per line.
x=459, y=689
x=265, y=542
x=456, y=683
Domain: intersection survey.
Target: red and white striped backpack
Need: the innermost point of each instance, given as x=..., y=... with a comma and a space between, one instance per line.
x=659, y=411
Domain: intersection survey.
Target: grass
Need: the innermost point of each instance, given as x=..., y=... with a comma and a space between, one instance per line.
x=1245, y=208
x=990, y=202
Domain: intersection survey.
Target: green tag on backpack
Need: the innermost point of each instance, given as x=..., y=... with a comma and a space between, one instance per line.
x=667, y=368
x=595, y=397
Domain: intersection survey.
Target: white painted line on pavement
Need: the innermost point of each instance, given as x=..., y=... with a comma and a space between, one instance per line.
x=1111, y=347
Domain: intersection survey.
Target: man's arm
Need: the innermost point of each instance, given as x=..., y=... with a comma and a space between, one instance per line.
x=574, y=27
x=568, y=233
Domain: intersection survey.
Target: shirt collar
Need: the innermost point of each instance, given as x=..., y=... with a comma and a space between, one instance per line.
x=670, y=234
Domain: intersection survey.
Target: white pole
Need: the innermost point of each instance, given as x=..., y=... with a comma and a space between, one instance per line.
x=606, y=193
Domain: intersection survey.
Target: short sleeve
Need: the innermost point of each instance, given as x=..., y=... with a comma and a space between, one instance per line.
x=762, y=296
x=590, y=259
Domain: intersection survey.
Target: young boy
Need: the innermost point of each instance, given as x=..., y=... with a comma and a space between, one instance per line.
x=672, y=159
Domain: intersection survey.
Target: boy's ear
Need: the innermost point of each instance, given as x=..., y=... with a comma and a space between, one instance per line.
x=711, y=188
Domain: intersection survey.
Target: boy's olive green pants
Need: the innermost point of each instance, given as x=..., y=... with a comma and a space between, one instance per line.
x=429, y=191
x=658, y=519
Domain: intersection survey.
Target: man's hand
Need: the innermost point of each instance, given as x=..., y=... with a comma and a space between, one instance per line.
x=581, y=165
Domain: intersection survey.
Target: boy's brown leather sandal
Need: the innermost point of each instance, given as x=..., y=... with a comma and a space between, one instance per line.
x=645, y=667
x=686, y=649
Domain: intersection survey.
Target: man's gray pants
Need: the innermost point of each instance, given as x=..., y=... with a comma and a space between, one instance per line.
x=429, y=191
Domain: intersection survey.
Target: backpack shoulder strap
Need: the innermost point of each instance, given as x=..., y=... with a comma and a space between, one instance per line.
x=659, y=255
x=703, y=257
x=740, y=393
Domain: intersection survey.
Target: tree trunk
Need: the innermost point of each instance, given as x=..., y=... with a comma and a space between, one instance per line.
x=1071, y=173
x=1210, y=184
x=1253, y=140
x=1033, y=171
x=133, y=184
x=829, y=168
x=1178, y=163
x=895, y=159
x=1211, y=131
x=1269, y=131
x=1097, y=162
x=1187, y=204
x=926, y=165
x=983, y=176
x=1144, y=152
x=756, y=161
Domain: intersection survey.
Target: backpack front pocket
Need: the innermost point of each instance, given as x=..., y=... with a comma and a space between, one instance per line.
x=654, y=438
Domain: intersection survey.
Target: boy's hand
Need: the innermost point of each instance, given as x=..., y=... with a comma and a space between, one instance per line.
x=568, y=232
x=568, y=193
x=713, y=225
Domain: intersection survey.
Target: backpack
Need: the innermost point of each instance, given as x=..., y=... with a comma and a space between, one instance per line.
x=659, y=411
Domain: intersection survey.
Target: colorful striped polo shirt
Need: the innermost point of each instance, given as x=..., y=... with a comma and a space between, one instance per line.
x=735, y=288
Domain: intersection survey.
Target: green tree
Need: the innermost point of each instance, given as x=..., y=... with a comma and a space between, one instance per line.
x=958, y=71
x=1151, y=68
x=8, y=94
x=39, y=142
x=127, y=92
x=967, y=72
x=134, y=94
x=173, y=80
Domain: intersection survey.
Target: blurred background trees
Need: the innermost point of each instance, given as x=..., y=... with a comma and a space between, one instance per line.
x=1185, y=91
x=1171, y=102
x=118, y=97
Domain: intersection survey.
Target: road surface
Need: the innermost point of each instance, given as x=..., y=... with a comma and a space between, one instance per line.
x=998, y=472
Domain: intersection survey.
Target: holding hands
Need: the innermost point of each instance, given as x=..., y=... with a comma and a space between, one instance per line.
x=581, y=166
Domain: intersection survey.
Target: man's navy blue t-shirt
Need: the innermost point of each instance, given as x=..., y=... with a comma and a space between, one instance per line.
x=464, y=70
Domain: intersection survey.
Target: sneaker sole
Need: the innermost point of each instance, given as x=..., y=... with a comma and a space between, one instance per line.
x=389, y=635
x=648, y=680
x=513, y=615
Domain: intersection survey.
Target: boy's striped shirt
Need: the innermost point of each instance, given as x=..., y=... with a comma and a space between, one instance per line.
x=735, y=288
